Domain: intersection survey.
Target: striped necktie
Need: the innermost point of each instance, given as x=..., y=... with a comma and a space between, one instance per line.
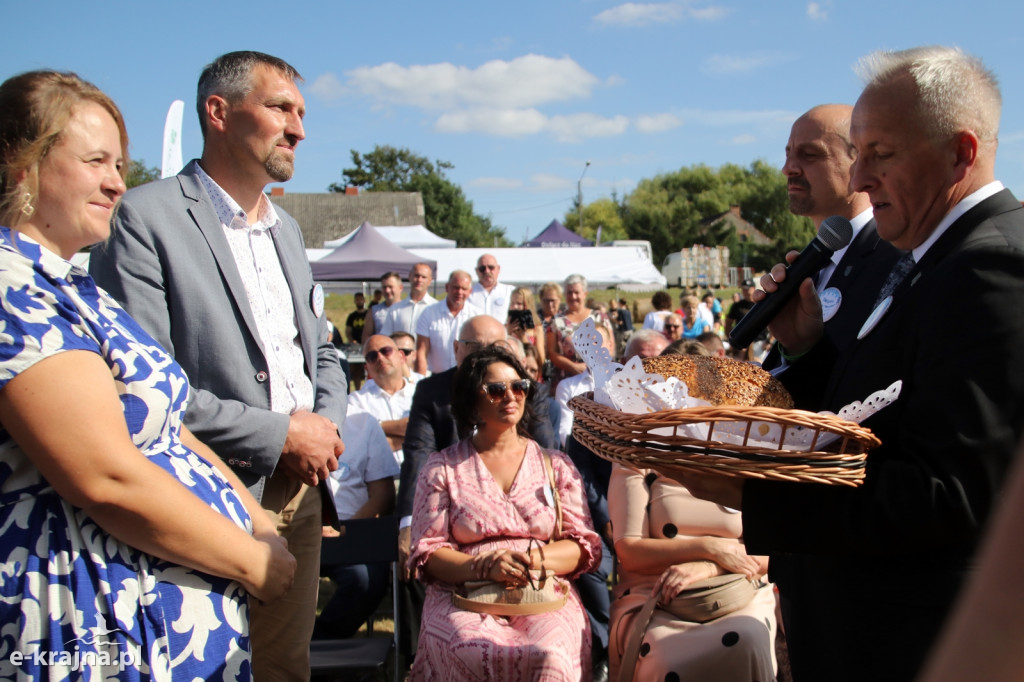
x=898, y=273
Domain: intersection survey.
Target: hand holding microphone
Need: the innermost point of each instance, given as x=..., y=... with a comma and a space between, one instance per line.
x=835, y=233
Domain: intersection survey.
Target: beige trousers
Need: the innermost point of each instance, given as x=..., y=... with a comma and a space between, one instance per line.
x=281, y=630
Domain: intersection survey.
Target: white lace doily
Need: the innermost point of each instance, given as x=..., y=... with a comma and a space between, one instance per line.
x=629, y=389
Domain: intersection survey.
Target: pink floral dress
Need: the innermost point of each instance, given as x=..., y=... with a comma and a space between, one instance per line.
x=459, y=505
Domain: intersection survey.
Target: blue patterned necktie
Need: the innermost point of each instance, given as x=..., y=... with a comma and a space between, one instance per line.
x=898, y=273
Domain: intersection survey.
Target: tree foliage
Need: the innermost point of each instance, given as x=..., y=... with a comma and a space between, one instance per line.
x=671, y=211
x=605, y=213
x=448, y=212
x=139, y=174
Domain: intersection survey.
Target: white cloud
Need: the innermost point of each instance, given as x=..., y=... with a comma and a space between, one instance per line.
x=576, y=127
x=525, y=81
x=658, y=123
x=815, y=12
x=499, y=122
x=710, y=13
x=725, y=64
x=499, y=98
x=641, y=14
x=328, y=87
x=522, y=122
x=646, y=13
x=547, y=182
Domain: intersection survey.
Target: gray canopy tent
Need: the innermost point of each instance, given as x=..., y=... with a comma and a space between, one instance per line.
x=365, y=257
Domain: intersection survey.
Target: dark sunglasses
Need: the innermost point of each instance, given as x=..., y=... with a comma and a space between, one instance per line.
x=407, y=351
x=496, y=390
x=386, y=351
x=673, y=326
x=485, y=268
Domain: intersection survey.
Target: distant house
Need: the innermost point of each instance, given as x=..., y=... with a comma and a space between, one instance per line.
x=745, y=232
x=329, y=215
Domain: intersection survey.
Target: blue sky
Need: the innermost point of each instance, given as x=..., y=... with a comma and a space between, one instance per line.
x=519, y=96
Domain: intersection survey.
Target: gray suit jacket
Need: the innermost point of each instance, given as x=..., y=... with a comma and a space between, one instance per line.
x=169, y=264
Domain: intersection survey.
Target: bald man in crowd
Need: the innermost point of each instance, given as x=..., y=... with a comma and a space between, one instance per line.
x=819, y=156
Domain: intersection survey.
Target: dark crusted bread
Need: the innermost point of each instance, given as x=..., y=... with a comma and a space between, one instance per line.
x=722, y=381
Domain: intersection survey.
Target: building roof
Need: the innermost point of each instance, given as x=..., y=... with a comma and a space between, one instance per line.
x=745, y=231
x=329, y=215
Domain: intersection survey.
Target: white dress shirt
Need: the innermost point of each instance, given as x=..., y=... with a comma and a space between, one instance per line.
x=494, y=302
x=383, y=406
x=568, y=389
x=366, y=458
x=268, y=294
x=402, y=316
x=440, y=325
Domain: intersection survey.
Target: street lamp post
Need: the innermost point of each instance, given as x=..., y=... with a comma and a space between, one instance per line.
x=579, y=195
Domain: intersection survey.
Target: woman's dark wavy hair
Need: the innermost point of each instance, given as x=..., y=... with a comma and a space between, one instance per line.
x=469, y=379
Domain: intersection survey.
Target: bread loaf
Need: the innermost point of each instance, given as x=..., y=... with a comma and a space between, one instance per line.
x=722, y=381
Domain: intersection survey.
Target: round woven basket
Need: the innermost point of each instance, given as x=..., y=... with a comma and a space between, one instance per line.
x=629, y=439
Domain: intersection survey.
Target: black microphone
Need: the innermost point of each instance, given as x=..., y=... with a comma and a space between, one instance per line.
x=835, y=233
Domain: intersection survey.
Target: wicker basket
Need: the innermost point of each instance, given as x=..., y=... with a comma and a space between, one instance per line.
x=629, y=439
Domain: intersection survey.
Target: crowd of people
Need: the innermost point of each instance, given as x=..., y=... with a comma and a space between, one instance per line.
x=176, y=421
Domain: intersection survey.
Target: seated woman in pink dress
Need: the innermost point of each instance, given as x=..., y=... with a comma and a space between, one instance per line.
x=478, y=505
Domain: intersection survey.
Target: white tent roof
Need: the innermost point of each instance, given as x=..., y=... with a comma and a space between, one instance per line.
x=625, y=267
x=408, y=237
x=602, y=266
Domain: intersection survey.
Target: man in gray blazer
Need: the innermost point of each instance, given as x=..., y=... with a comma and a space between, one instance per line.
x=219, y=276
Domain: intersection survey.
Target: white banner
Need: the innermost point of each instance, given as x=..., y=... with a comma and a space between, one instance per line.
x=172, y=140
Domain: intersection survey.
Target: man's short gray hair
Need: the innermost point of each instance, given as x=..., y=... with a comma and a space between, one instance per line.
x=956, y=92
x=230, y=77
x=641, y=337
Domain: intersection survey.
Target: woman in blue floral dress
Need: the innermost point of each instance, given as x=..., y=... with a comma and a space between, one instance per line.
x=127, y=549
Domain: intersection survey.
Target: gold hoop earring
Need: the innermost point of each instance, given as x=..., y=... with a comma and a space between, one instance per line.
x=27, y=209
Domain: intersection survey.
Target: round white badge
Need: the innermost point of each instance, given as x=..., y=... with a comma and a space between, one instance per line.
x=831, y=299
x=877, y=314
x=316, y=300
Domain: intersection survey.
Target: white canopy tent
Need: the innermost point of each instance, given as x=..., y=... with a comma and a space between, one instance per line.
x=625, y=267
x=408, y=237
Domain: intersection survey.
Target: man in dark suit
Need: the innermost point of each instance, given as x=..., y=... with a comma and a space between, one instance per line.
x=220, y=278
x=874, y=569
x=819, y=156
x=431, y=428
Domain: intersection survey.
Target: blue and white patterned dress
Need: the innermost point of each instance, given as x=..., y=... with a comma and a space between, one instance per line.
x=71, y=596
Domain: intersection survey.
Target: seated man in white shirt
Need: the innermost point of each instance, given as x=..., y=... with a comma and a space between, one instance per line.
x=573, y=386
x=389, y=396
x=362, y=487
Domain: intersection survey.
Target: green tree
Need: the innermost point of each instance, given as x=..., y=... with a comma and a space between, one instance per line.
x=139, y=174
x=448, y=212
x=605, y=213
x=671, y=211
